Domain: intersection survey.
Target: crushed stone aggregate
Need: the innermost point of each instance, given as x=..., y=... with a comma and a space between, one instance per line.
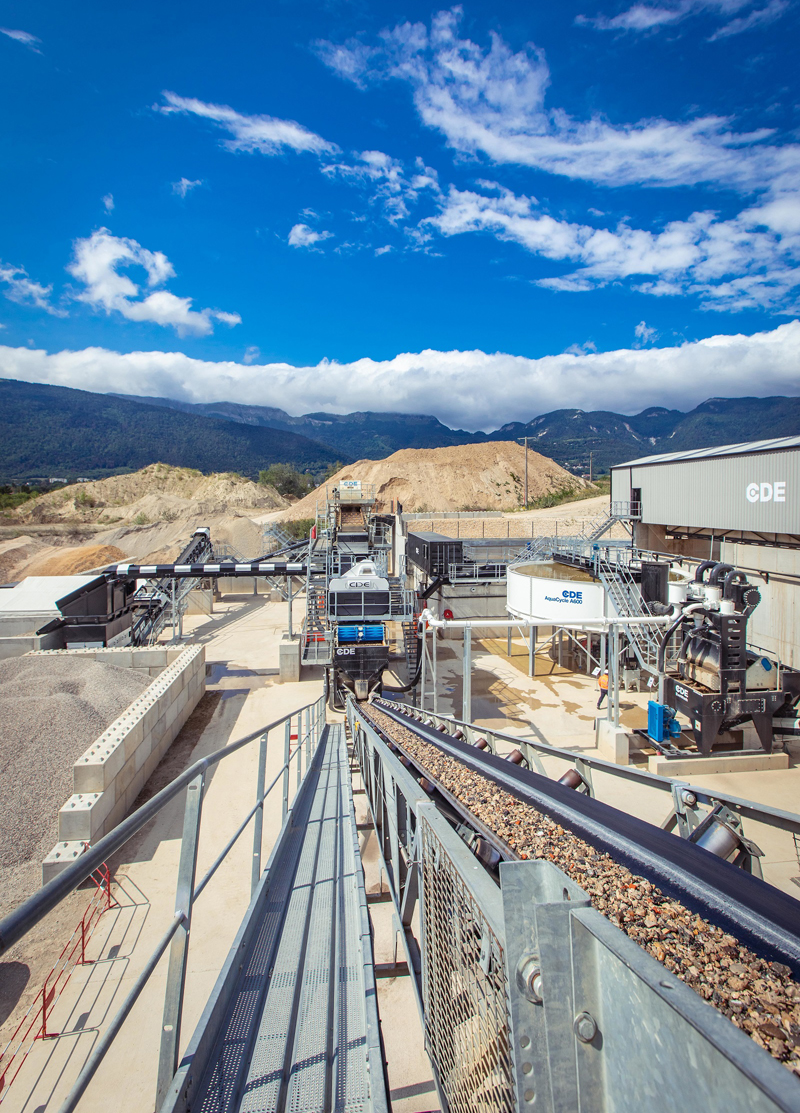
x=758, y=996
x=51, y=710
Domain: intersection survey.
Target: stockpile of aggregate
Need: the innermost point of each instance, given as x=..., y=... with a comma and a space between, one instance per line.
x=758, y=996
x=51, y=710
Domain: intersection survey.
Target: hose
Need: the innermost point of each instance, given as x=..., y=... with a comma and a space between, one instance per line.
x=411, y=684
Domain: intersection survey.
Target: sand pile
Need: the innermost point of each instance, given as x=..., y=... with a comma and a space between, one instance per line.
x=156, y=493
x=51, y=710
x=74, y=560
x=13, y=554
x=465, y=477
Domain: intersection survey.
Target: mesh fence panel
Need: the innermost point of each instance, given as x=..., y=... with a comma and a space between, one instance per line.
x=464, y=990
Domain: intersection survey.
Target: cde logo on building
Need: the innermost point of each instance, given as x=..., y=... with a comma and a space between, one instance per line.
x=766, y=492
x=572, y=596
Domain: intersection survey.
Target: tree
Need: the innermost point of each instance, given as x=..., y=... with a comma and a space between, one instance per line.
x=286, y=480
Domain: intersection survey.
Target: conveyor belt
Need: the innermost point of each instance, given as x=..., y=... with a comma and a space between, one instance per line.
x=292, y=1023
x=758, y=914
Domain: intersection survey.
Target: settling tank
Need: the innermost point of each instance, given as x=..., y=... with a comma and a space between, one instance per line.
x=548, y=593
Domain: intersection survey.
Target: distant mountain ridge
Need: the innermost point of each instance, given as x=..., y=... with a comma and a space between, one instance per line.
x=61, y=431
x=566, y=436
x=58, y=431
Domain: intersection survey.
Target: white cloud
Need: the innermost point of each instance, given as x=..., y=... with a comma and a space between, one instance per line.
x=24, y=291
x=758, y=18
x=383, y=250
x=185, y=186
x=644, y=334
x=108, y=202
x=96, y=264
x=472, y=390
x=303, y=236
x=24, y=37
x=749, y=261
x=393, y=187
x=492, y=102
x=646, y=17
x=265, y=134
x=252, y=354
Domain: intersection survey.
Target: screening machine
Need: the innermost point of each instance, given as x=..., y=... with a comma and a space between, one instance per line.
x=720, y=685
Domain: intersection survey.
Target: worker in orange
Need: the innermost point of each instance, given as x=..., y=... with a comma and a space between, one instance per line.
x=602, y=683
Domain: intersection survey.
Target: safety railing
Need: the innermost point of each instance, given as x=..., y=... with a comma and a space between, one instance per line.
x=303, y=727
x=493, y=570
x=34, y=1024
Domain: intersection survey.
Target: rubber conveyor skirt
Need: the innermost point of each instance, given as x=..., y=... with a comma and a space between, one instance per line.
x=292, y=1023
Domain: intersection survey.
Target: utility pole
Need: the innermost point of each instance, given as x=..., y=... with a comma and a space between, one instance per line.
x=591, y=454
x=525, y=439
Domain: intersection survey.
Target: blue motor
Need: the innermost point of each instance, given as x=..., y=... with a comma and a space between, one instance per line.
x=662, y=722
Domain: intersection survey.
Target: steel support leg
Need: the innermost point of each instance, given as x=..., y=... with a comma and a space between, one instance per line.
x=259, y=816
x=179, y=948
x=466, y=702
x=287, y=745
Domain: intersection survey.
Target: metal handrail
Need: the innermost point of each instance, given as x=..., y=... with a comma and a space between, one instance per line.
x=14, y=926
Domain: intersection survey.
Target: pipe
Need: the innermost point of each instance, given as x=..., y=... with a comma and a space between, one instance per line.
x=717, y=570
x=700, y=570
x=732, y=577
x=406, y=687
x=595, y=626
x=662, y=646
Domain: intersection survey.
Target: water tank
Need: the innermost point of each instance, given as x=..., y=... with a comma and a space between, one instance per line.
x=549, y=593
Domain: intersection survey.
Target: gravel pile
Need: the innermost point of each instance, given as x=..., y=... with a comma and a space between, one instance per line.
x=51, y=710
x=759, y=997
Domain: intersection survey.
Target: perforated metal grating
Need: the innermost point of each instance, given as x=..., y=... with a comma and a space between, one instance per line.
x=464, y=990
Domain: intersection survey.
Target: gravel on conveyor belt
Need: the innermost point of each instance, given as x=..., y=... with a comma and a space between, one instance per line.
x=759, y=997
x=51, y=710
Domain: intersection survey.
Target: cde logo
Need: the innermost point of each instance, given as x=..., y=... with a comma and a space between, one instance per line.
x=766, y=492
x=572, y=596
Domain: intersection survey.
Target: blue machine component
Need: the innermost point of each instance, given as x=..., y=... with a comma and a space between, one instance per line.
x=352, y=635
x=662, y=722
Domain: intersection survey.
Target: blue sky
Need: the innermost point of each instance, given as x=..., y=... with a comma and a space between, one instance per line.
x=481, y=212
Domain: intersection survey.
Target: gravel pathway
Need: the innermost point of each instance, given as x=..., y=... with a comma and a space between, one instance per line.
x=51, y=710
x=759, y=997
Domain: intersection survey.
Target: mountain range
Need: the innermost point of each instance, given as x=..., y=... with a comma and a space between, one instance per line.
x=58, y=431
x=49, y=430
x=569, y=437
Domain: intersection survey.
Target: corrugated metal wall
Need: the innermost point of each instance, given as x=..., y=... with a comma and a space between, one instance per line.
x=759, y=493
x=774, y=625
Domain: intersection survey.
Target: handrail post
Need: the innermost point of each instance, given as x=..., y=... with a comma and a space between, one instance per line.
x=179, y=948
x=287, y=745
x=259, y=816
x=309, y=721
x=299, y=750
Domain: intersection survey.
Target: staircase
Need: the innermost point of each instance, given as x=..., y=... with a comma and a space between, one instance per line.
x=540, y=548
x=627, y=599
x=317, y=636
x=411, y=648
x=276, y=538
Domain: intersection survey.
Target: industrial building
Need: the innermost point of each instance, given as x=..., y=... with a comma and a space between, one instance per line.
x=739, y=504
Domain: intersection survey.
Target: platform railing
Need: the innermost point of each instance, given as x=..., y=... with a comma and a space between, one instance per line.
x=303, y=727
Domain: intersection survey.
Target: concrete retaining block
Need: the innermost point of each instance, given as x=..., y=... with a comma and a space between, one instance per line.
x=109, y=776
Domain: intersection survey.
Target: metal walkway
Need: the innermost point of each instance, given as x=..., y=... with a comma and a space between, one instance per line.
x=292, y=1023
